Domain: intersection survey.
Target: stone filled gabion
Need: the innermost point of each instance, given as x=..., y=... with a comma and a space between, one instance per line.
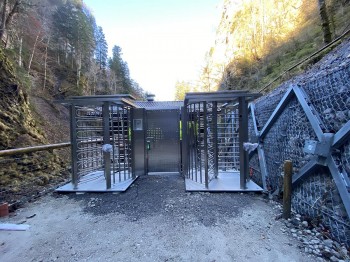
x=327, y=90
x=318, y=198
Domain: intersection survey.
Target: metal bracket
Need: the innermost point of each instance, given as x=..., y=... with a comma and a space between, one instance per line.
x=322, y=148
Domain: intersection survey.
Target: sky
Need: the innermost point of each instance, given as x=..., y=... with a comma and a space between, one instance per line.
x=163, y=41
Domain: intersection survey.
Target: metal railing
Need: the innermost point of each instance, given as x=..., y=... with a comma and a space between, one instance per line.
x=26, y=172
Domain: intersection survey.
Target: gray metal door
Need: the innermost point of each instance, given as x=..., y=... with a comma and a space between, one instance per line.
x=162, y=141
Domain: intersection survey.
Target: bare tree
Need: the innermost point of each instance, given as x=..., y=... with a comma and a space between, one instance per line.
x=8, y=11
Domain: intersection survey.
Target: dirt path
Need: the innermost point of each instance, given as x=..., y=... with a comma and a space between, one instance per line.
x=155, y=220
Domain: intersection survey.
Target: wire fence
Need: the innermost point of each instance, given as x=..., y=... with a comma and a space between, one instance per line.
x=309, y=108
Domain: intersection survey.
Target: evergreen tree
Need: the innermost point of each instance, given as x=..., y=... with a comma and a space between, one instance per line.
x=121, y=70
x=101, y=49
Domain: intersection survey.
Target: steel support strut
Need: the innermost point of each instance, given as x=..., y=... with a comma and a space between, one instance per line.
x=261, y=153
x=243, y=137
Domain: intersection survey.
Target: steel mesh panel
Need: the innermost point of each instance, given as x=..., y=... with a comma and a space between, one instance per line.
x=330, y=96
x=318, y=198
x=265, y=106
x=285, y=141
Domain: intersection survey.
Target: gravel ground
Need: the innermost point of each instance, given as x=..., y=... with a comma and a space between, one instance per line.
x=155, y=220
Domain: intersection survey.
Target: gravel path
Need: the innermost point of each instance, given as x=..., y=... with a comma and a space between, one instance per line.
x=155, y=220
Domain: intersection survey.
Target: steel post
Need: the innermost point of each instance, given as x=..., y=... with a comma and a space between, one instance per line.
x=106, y=140
x=243, y=137
x=215, y=139
x=132, y=150
x=74, y=145
x=205, y=126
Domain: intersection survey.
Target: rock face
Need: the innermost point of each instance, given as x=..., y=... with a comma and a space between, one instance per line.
x=21, y=176
x=17, y=126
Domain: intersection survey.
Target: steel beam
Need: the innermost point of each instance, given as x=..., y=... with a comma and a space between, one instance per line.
x=74, y=145
x=277, y=112
x=309, y=111
x=98, y=101
x=306, y=170
x=252, y=112
x=340, y=183
x=263, y=166
x=342, y=136
x=220, y=96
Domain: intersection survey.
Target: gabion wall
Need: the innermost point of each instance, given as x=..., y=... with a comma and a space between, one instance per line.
x=327, y=91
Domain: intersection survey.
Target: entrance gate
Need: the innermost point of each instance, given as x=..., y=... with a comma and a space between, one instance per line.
x=115, y=139
x=163, y=141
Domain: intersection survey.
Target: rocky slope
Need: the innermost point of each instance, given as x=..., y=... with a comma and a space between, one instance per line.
x=22, y=176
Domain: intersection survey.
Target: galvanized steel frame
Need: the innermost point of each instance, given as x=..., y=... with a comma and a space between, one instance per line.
x=106, y=104
x=198, y=102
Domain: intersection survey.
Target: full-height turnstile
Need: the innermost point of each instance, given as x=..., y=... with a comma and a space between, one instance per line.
x=115, y=139
x=215, y=126
x=101, y=143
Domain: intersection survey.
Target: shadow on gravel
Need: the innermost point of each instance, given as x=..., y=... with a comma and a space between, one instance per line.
x=166, y=196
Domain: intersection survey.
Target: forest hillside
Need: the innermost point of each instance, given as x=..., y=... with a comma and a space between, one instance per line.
x=258, y=40
x=49, y=50
x=55, y=49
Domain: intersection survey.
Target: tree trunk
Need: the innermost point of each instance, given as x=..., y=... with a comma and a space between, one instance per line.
x=20, y=51
x=327, y=35
x=45, y=66
x=3, y=19
x=33, y=52
x=6, y=19
x=79, y=62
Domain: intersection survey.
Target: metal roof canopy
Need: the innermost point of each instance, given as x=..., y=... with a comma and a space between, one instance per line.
x=100, y=100
x=159, y=105
x=220, y=96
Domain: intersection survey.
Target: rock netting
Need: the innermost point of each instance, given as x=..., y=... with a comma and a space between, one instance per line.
x=327, y=90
